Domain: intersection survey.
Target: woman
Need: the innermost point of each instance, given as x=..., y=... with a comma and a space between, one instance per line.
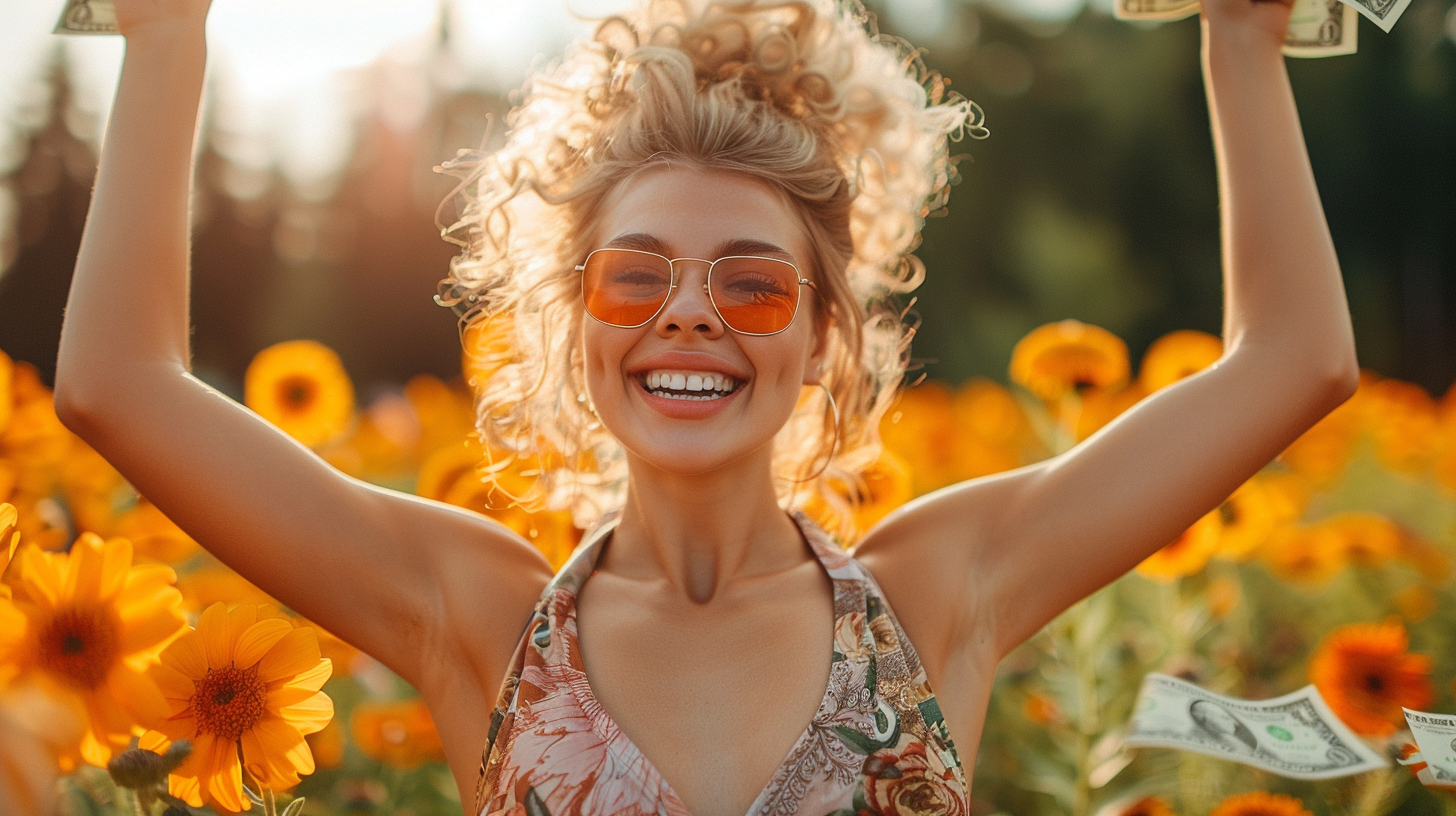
x=683, y=238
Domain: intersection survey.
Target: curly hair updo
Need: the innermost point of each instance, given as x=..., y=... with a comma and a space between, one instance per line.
x=848, y=125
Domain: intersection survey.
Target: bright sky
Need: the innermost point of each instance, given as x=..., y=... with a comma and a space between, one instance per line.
x=283, y=88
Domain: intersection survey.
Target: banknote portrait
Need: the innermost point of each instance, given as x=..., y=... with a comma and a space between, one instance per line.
x=1215, y=721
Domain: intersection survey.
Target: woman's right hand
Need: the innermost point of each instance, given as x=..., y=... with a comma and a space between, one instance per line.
x=136, y=17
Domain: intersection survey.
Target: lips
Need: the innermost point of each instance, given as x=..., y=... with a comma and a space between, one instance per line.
x=687, y=385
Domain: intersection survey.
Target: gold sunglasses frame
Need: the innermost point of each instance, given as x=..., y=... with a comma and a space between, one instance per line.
x=673, y=285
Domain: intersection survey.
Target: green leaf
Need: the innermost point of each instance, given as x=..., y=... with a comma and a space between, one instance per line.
x=857, y=742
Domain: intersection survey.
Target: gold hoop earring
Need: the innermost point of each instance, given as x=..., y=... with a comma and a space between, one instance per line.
x=834, y=447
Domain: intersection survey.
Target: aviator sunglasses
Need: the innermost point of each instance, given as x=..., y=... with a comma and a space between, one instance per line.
x=627, y=288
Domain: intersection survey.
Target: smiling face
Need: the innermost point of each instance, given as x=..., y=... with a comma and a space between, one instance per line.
x=684, y=393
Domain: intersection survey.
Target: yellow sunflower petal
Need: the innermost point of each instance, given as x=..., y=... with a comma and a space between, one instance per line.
x=187, y=654
x=257, y=639
x=173, y=684
x=312, y=679
x=223, y=782
x=98, y=568
x=186, y=788
x=276, y=753
x=42, y=575
x=212, y=628
x=143, y=635
x=312, y=714
x=138, y=695
x=295, y=652
x=153, y=741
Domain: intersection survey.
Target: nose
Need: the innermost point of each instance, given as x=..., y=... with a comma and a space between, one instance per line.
x=688, y=307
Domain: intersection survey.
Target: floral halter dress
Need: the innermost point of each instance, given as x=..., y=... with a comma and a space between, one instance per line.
x=877, y=745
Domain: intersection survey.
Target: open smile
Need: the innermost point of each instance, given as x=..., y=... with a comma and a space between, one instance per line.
x=685, y=394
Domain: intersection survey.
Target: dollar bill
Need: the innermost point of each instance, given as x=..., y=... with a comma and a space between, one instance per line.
x=88, y=17
x=1321, y=28
x=1435, y=736
x=1317, y=28
x=1296, y=735
x=1383, y=13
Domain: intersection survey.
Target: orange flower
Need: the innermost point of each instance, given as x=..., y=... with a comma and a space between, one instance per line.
x=33, y=441
x=1148, y=806
x=1366, y=539
x=1365, y=673
x=241, y=684
x=1041, y=709
x=1249, y=517
x=301, y=387
x=401, y=734
x=1175, y=355
x=1305, y=555
x=213, y=582
x=1259, y=803
x=1187, y=554
x=89, y=624
x=1058, y=359
x=1402, y=419
x=1224, y=594
x=921, y=429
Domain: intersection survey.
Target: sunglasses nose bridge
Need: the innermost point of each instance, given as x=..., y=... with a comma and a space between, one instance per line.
x=677, y=283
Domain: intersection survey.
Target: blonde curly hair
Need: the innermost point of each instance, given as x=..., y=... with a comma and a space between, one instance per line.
x=804, y=96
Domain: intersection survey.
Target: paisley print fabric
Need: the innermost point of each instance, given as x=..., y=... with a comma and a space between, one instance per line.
x=877, y=745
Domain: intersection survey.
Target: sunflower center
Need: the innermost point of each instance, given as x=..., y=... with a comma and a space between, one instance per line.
x=229, y=701
x=80, y=645
x=1374, y=683
x=296, y=393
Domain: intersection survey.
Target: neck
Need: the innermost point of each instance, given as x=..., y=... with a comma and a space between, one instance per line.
x=698, y=535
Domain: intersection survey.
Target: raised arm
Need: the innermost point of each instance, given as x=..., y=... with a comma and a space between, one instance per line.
x=398, y=576
x=1021, y=547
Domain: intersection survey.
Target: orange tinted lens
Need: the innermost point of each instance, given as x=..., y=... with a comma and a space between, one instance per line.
x=624, y=287
x=755, y=295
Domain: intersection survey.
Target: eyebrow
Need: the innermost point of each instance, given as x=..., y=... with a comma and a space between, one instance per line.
x=734, y=246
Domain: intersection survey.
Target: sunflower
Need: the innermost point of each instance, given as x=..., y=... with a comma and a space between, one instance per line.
x=1365, y=673
x=301, y=387
x=400, y=733
x=1175, y=355
x=1366, y=539
x=89, y=624
x=241, y=684
x=33, y=441
x=1305, y=555
x=922, y=431
x=1259, y=803
x=1187, y=554
x=1061, y=358
x=1249, y=517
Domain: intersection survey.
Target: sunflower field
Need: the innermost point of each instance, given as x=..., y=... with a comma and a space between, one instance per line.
x=138, y=675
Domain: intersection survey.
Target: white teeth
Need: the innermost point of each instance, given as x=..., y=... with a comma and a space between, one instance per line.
x=660, y=382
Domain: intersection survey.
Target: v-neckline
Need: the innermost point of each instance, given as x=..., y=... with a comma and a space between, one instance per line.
x=580, y=567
